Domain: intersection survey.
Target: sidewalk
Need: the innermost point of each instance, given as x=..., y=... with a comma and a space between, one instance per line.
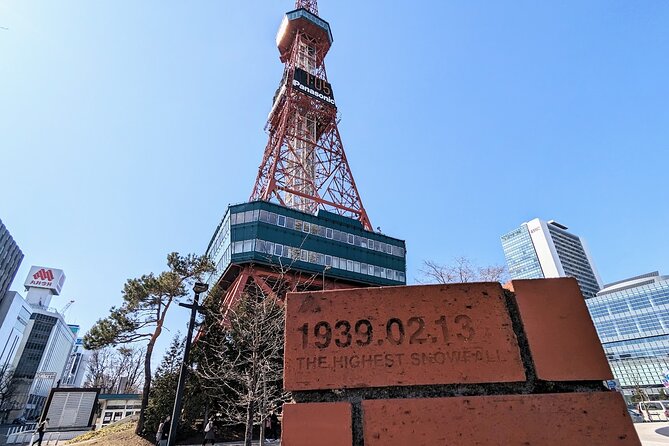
x=238, y=443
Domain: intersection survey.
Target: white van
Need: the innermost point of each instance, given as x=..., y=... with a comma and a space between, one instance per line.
x=654, y=410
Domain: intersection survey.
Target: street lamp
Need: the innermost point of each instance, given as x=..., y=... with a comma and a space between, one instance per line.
x=325, y=269
x=183, y=374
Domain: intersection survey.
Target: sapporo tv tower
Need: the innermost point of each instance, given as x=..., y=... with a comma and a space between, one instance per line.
x=304, y=227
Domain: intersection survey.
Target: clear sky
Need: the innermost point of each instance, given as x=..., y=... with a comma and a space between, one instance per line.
x=127, y=127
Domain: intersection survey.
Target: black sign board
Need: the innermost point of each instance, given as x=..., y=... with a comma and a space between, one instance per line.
x=313, y=86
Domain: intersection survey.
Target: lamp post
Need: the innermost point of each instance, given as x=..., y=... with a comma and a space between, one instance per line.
x=183, y=374
x=324, y=270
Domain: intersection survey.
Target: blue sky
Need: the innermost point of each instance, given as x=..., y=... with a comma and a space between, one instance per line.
x=127, y=127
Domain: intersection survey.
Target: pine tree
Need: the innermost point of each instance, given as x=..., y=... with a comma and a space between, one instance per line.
x=163, y=390
x=146, y=301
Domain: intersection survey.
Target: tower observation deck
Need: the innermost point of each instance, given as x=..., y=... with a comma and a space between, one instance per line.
x=304, y=226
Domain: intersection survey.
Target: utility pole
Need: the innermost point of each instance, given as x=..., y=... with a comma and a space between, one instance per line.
x=185, y=364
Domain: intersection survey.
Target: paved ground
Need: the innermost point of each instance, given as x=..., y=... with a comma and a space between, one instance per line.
x=653, y=434
x=255, y=443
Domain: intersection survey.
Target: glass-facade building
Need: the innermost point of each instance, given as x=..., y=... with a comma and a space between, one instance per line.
x=521, y=258
x=10, y=259
x=544, y=249
x=632, y=321
x=325, y=244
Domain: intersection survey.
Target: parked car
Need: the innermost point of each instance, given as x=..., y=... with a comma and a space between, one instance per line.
x=20, y=421
x=635, y=415
x=653, y=410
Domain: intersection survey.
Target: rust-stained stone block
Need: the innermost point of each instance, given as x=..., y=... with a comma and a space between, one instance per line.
x=566, y=419
x=324, y=424
x=398, y=336
x=562, y=338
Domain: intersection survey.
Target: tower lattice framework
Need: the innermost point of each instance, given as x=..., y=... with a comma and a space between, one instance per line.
x=304, y=165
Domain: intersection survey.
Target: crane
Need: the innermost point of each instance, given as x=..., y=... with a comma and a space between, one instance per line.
x=66, y=307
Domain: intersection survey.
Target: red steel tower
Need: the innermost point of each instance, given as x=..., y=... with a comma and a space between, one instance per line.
x=304, y=166
x=304, y=169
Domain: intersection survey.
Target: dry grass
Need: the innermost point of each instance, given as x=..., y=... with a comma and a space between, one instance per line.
x=118, y=434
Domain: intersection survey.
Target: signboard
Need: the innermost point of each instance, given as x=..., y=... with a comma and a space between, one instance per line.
x=313, y=86
x=49, y=278
x=71, y=408
x=45, y=375
x=416, y=335
x=613, y=384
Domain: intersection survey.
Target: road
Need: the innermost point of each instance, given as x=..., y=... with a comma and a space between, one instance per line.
x=653, y=434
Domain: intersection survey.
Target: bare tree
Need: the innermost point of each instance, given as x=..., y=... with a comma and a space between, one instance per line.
x=131, y=363
x=7, y=389
x=99, y=370
x=116, y=370
x=243, y=364
x=240, y=358
x=461, y=271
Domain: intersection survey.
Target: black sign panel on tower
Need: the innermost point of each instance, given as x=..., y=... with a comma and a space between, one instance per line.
x=313, y=86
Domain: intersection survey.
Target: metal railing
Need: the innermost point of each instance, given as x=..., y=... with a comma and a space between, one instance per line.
x=21, y=428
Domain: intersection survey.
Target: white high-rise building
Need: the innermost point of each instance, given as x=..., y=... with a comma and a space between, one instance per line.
x=46, y=345
x=543, y=249
x=77, y=366
x=14, y=317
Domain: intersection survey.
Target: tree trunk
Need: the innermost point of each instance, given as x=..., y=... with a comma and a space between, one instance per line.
x=263, y=410
x=248, y=436
x=147, y=386
x=262, y=433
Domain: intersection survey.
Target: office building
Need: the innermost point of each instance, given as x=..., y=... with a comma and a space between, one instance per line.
x=632, y=321
x=14, y=317
x=75, y=370
x=46, y=345
x=544, y=249
x=10, y=259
